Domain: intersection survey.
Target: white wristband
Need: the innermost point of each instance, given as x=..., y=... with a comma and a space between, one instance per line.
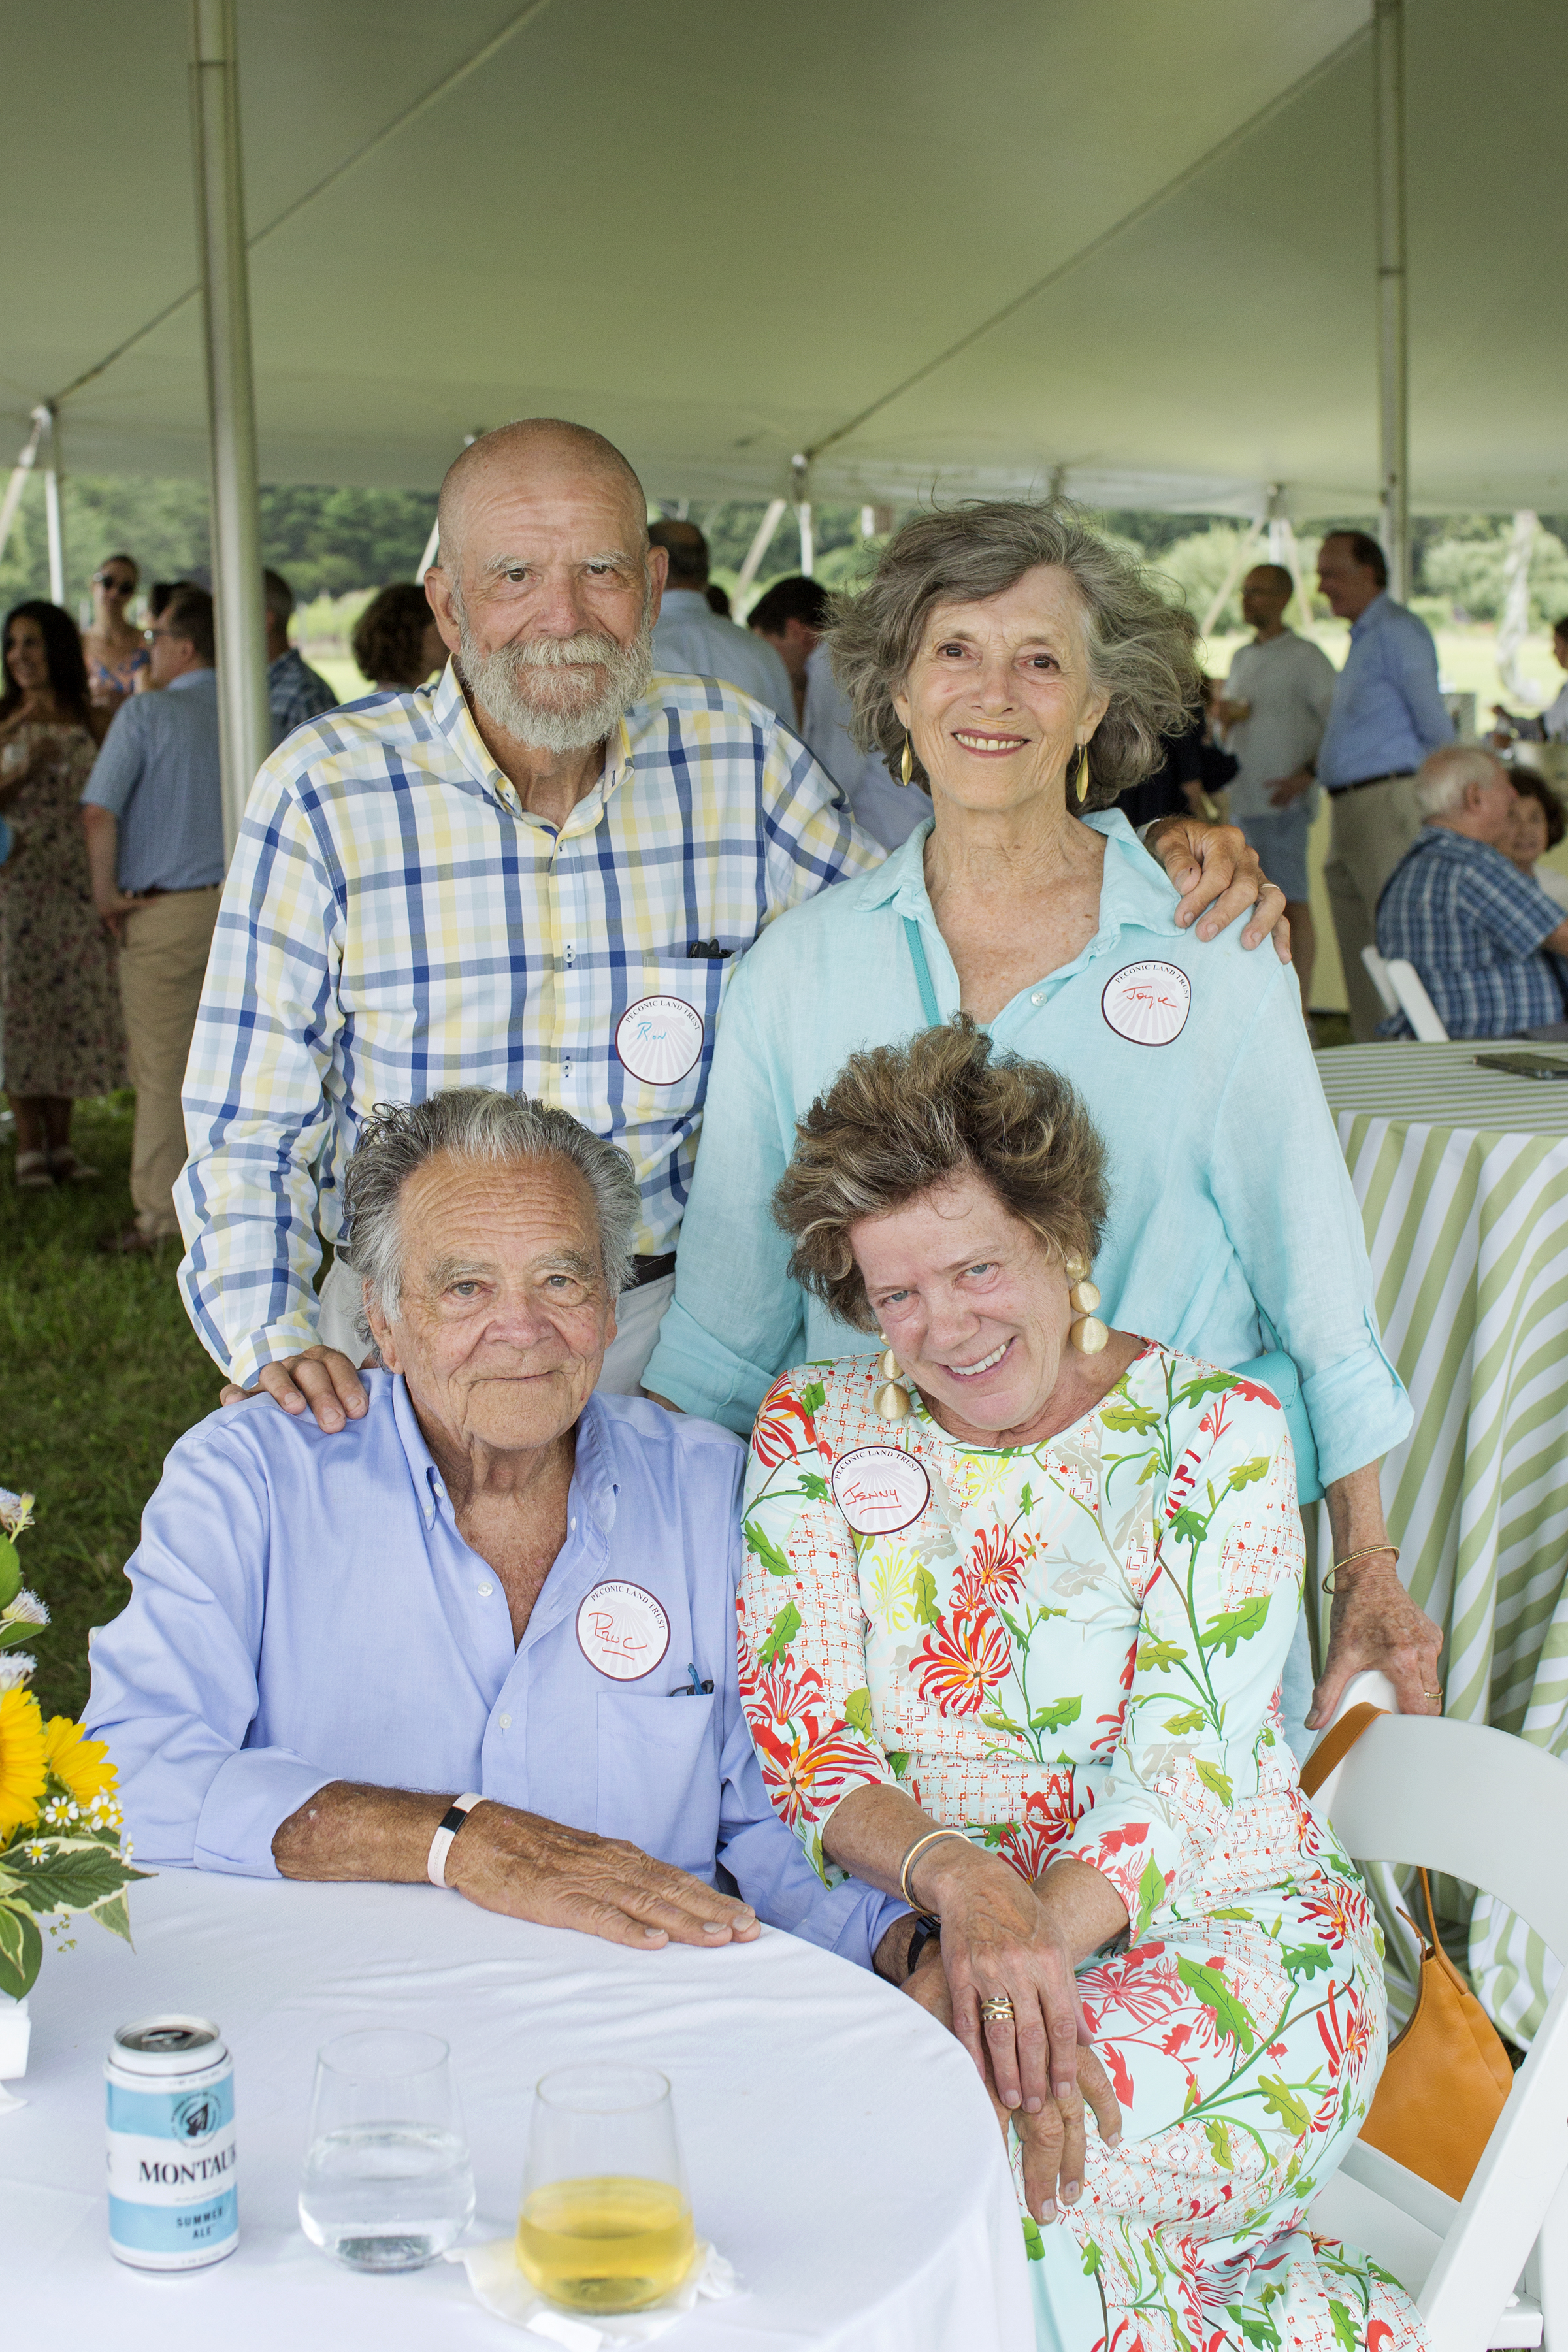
x=451, y=1821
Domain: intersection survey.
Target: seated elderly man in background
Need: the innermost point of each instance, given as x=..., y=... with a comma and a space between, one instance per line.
x=1484, y=937
x=493, y=1581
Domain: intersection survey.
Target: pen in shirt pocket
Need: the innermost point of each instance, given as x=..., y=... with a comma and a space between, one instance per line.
x=695, y=1688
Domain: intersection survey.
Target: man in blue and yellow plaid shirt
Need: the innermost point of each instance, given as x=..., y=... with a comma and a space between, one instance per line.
x=536, y=876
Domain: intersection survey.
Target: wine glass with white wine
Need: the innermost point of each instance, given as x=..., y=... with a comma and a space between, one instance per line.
x=606, y=2220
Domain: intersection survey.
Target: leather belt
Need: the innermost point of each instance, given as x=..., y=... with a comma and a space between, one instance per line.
x=651, y=1269
x=1362, y=783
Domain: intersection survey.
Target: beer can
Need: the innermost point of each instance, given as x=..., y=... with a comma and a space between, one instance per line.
x=172, y=2201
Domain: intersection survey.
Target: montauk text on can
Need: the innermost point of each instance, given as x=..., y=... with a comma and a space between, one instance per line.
x=173, y=2197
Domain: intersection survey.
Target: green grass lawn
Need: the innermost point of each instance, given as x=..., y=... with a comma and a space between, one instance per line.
x=99, y=1372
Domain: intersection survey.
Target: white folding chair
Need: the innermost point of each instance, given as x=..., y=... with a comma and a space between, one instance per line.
x=1413, y=1001
x=1491, y=2270
x=1377, y=972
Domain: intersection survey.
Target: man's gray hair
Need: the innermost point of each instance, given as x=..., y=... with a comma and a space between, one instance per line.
x=476, y=1123
x=1443, y=775
x=1142, y=649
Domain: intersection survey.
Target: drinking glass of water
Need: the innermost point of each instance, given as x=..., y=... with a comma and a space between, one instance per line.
x=606, y=2221
x=387, y=2184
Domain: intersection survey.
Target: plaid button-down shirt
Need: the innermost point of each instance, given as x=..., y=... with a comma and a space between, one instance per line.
x=1472, y=925
x=394, y=922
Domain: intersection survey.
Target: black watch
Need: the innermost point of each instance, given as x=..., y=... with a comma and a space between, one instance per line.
x=927, y=1930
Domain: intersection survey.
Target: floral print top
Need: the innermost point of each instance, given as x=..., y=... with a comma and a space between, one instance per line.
x=1070, y=1648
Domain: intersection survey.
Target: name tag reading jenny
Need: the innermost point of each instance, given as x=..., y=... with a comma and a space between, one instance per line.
x=623, y=1631
x=880, y=1489
x=1148, y=1003
x=659, y=1038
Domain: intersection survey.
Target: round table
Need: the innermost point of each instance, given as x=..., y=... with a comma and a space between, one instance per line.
x=840, y=2149
x=1462, y=1177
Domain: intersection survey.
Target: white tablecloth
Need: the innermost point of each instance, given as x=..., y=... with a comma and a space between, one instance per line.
x=840, y=2149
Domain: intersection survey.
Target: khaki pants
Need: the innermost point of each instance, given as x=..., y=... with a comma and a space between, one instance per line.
x=163, y=961
x=1371, y=830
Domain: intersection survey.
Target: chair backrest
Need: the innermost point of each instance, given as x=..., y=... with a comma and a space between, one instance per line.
x=1413, y=1001
x=1377, y=972
x=1491, y=1809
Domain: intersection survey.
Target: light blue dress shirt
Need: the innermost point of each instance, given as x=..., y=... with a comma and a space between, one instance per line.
x=1388, y=713
x=1229, y=1189
x=690, y=639
x=158, y=773
x=304, y=1610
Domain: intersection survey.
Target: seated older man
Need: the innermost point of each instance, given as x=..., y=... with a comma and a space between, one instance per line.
x=495, y=1582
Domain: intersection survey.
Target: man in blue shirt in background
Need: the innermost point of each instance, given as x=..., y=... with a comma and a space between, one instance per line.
x=154, y=814
x=1482, y=936
x=1387, y=715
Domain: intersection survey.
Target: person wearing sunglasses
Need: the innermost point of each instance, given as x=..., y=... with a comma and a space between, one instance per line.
x=114, y=650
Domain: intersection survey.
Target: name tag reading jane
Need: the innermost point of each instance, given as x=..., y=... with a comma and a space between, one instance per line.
x=623, y=1631
x=879, y=1489
x=1148, y=1003
x=659, y=1039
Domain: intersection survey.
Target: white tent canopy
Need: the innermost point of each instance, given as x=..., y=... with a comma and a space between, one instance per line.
x=1109, y=243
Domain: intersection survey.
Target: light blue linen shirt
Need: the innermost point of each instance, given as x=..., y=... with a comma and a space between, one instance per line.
x=158, y=773
x=690, y=637
x=304, y=1610
x=1388, y=713
x=1229, y=1189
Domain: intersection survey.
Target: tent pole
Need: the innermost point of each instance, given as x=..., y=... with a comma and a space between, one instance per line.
x=54, y=527
x=800, y=469
x=759, y=546
x=1243, y=558
x=1394, y=330
x=25, y=458
x=245, y=728
x=428, y=558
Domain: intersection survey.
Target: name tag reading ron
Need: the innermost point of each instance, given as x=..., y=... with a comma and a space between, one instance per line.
x=880, y=1489
x=623, y=1631
x=659, y=1038
x=1148, y=1003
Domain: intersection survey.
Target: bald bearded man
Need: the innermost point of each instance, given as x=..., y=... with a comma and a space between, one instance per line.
x=537, y=876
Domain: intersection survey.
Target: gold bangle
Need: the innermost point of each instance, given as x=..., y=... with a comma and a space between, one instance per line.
x=1349, y=1561
x=920, y=1846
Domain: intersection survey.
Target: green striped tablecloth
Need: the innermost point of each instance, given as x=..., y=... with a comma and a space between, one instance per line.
x=1462, y=1177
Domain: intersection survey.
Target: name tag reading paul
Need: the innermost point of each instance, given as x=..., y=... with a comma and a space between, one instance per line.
x=880, y=1489
x=1148, y=1003
x=623, y=1631
x=659, y=1039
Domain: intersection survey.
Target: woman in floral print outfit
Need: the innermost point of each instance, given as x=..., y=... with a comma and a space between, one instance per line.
x=1049, y=1608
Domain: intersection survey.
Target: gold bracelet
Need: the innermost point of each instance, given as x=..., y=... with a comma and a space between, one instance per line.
x=1349, y=1561
x=920, y=1846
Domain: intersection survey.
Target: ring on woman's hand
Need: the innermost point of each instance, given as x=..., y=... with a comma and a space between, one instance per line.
x=996, y=2009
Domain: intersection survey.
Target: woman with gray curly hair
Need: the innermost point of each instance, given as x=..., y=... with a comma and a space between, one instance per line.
x=1014, y=1610
x=1026, y=670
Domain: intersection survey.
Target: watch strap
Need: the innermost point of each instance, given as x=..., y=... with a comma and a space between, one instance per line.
x=447, y=1829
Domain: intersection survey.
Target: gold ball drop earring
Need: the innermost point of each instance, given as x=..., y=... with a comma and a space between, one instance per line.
x=892, y=1401
x=1089, y=1334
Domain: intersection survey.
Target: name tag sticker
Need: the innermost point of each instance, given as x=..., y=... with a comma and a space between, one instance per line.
x=623, y=1631
x=1148, y=1003
x=880, y=1489
x=659, y=1039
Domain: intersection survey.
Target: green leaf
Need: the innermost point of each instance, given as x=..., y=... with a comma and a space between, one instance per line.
x=10, y=1572
x=1147, y=1471
x=1210, y=1384
x=1250, y=1917
x=772, y=1560
x=1245, y=1472
x=1151, y=1895
x=858, y=1713
x=1129, y=1416
x=815, y=1856
x=69, y=1875
x=997, y=1721
x=114, y=1912
x=1014, y=1628
x=1155, y=1656
x=813, y=1487
x=1187, y=1527
x=1344, y=2326
x=13, y=1636
x=781, y=1633
x=1034, y=2244
x=1025, y=1498
x=21, y=1951
x=1233, y=1625
x=813, y=1397
x=898, y=1758
x=1302, y=1959
x=1218, y=2140
x=1212, y=1777
x=1091, y=2259
x=1191, y=1719
x=1061, y=1712
x=1232, y=2016
x=925, y=1597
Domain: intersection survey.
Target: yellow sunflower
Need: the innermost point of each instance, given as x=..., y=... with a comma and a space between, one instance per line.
x=23, y=1762
x=81, y=1764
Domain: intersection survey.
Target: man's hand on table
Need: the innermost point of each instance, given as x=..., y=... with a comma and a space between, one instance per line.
x=515, y=1863
x=1220, y=879
x=322, y=1378
x=1376, y=1623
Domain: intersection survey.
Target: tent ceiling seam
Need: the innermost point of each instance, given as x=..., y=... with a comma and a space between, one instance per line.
x=1140, y=211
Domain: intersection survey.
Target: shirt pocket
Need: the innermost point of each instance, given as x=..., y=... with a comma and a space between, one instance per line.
x=658, y=1774
x=663, y=1018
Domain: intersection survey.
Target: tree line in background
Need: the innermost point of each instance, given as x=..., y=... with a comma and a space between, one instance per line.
x=339, y=542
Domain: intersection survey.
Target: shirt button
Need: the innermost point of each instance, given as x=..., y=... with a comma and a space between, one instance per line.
x=505, y=1722
x=1038, y=997
x=484, y=1591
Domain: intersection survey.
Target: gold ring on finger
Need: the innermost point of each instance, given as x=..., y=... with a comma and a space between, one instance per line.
x=997, y=2009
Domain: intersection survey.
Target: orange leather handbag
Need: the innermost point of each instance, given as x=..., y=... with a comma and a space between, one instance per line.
x=1447, y=2074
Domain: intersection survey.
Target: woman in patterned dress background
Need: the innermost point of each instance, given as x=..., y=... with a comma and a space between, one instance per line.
x=60, y=1027
x=1045, y=1607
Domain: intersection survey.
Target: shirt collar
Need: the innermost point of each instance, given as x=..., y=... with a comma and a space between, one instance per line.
x=687, y=596
x=1372, y=615
x=453, y=719
x=1135, y=889
x=594, y=1488
x=207, y=676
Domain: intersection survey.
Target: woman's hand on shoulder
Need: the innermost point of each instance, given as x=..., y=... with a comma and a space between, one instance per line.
x=1221, y=879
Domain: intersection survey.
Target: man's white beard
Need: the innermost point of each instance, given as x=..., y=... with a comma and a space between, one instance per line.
x=556, y=694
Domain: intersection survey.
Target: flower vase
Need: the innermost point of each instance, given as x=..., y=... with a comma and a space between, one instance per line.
x=16, y=2030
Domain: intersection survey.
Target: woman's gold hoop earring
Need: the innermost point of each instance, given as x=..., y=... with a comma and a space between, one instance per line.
x=892, y=1401
x=1089, y=1334
x=1081, y=788
x=907, y=764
